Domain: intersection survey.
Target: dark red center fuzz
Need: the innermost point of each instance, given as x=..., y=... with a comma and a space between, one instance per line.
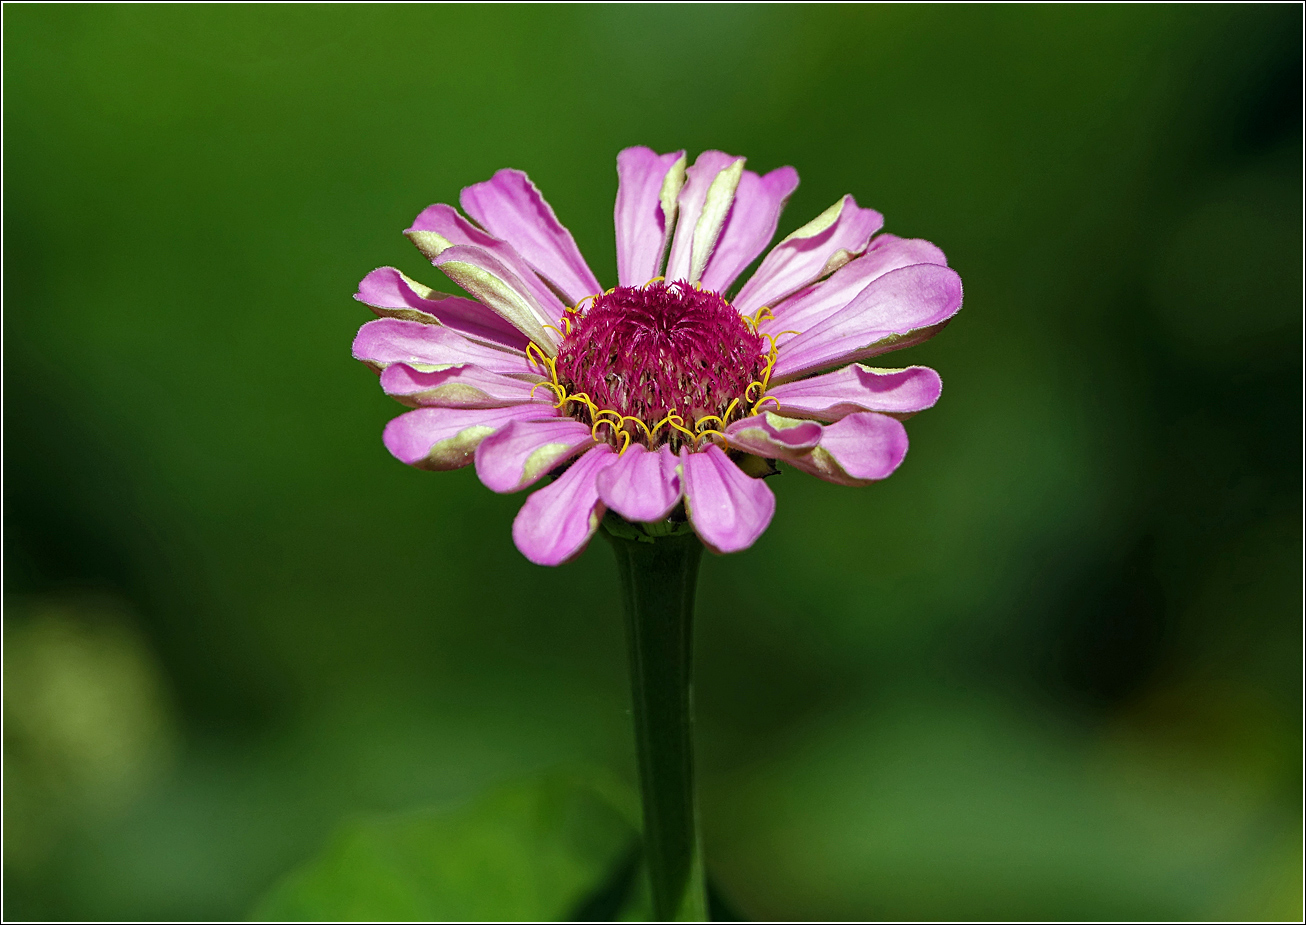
x=646, y=351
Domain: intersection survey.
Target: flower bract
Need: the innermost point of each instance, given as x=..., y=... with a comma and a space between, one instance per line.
x=665, y=397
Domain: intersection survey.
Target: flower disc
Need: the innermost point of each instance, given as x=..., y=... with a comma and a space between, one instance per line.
x=649, y=351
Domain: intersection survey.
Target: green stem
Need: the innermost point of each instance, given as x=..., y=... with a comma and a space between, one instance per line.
x=658, y=579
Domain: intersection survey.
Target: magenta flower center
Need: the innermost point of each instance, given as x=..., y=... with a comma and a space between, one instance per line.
x=665, y=348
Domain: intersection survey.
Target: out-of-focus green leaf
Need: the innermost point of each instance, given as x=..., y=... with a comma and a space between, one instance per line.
x=531, y=850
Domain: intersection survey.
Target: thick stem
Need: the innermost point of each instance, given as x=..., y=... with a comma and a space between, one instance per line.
x=658, y=580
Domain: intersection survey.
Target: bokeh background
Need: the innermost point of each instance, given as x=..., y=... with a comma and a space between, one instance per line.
x=1050, y=669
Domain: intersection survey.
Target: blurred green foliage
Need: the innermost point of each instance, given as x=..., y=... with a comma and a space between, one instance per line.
x=1051, y=669
x=528, y=852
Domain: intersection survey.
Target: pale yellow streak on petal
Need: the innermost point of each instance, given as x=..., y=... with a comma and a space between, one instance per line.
x=405, y=314
x=378, y=365
x=743, y=434
x=720, y=194
x=504, y=299
x=670, y=194
x=670, y=199
x=452, y=394
x=423, y=292
x=821, y=461
x=837, y=259
x=748, y=438
x=820, y=223
x=431, y=245
x=457, y=450
x=782, y=423
x=543, y=459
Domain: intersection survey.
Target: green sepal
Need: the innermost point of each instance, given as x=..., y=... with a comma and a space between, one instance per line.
x=756, y=466
x=616, y=525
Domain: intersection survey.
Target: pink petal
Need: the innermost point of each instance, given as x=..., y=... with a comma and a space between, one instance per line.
x=492, y=282
x=727, y=509
x=750, y=226
x=857, y=450
x=641, y=486
x=429, y=347
x=772, y=436
x=557, y=521
x=901, y=308
x=817, y=302
x=460, y=387
x=524, y=451
x=391, y=294
x=646, y=211
x=816, y=250
x=445, y=438
x=510, y=207
x=704, y=203
x=860, y=388
x=440, y=227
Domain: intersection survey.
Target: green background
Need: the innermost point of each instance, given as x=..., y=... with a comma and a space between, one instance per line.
x=1050, y=669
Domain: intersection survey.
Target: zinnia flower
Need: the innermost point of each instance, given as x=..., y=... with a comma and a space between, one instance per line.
x=662, y=390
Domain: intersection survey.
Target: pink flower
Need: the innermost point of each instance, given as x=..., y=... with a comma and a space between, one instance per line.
x=658, y=391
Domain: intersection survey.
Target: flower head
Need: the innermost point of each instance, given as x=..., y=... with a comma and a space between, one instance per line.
x=660, y=398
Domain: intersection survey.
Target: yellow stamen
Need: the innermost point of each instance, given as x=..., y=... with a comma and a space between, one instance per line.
x=558, y=392
x=676, y=421
x=586, y=401
x=543, y=357
x=599, y=416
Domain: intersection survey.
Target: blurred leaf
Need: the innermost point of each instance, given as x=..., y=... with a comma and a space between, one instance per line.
x=530, y=850
x=88, y=726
